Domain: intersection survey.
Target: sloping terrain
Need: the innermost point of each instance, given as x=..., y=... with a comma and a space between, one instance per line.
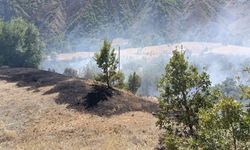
x=144, y=22
x=44, y=110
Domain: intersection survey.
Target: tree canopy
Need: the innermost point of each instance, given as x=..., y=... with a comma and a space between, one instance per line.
x=20, y=44
x=183, y=92
x=107, y=61
x=225, y=126
x=198, y=116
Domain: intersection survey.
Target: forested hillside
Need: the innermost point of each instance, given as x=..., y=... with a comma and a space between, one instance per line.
x=155, y=21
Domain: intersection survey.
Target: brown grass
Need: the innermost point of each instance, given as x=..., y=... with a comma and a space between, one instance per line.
x=36, y=114
x=155, y=51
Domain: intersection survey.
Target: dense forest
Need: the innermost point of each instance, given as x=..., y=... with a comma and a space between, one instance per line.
x=73, y=25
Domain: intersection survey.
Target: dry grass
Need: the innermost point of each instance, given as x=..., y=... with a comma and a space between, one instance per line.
x=155, y=51
x=31, y=119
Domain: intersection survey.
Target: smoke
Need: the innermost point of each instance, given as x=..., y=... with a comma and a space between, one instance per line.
x=220, y=62
x=152, y=22
x=214, y=31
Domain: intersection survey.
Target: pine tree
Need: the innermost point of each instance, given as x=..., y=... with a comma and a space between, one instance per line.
x=107, y=61
x=134, y=82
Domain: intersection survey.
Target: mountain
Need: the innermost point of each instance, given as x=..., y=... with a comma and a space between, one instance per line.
x=143, y=22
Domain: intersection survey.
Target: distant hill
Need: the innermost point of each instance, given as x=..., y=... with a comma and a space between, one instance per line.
x=144, y=22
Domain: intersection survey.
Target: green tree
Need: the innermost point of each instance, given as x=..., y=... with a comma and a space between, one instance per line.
x=107, y=61
x=20, y=44
x=134, y=82
x=183, y=92
x=225, y=126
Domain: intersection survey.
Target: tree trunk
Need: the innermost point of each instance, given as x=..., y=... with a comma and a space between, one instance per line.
x=191, y=129
x=190, y=125
x=233, y=136
x=235, y=144
x=108, y=83
x=107, y=74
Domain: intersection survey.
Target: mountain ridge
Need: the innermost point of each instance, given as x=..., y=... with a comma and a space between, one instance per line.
x=143, y=22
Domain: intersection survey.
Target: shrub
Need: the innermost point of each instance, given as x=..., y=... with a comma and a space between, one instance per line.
x=70, y=72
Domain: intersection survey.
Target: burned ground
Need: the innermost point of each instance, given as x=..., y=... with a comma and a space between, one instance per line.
x=40, y=108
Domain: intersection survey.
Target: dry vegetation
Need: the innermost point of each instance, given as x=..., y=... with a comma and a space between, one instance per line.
x=43, y=110
x=156, y=51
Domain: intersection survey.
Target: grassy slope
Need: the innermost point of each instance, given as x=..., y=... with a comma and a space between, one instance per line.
x=41, y=110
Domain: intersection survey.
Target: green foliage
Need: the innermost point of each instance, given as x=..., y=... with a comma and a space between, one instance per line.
x=171, y=142
x=107, y=61
x=134, y=82
x=184, y=91
x=225, y=126
x=118, y=80
x=92, y=18
x=20, y=44
x=57, y=43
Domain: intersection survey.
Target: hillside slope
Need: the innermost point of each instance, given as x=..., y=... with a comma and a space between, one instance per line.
x=154, y=21
x=41, y=110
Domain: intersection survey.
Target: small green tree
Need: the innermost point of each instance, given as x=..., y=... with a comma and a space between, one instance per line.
x=225, y=126
x=107, y=61
x=134, y=82
x=184, y=91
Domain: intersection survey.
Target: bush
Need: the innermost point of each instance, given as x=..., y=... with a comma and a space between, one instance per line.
x=70, y=72
x=51, y=70
x=20, y=44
